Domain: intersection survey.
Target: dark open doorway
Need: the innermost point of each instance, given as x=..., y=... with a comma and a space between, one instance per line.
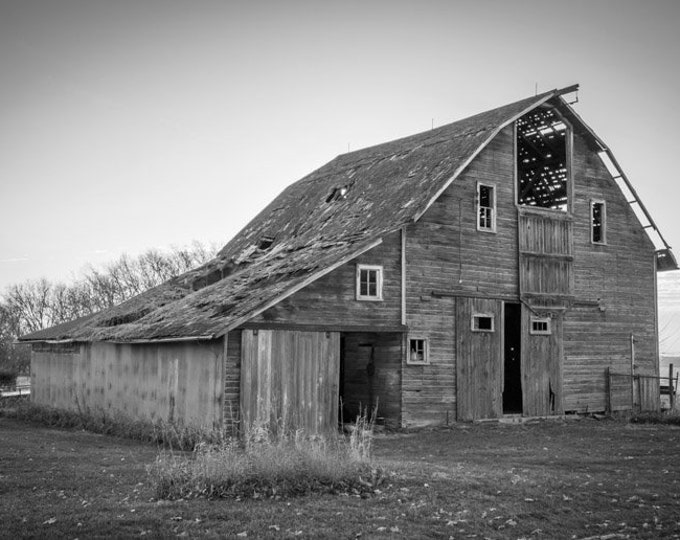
x=512, y=332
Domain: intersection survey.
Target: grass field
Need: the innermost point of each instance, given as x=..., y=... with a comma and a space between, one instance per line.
x=576, y=479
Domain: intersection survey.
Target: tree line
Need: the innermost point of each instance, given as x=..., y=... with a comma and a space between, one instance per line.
x=34, y=305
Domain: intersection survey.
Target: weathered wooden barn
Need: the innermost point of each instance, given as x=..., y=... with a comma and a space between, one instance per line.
x=497, y=265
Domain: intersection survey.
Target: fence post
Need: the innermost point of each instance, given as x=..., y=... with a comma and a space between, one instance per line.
x=608, y=375
x=671, y=386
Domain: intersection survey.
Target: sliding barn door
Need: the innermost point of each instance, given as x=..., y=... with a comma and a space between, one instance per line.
x=542, y=367
x=290, y=379
x=479, y=368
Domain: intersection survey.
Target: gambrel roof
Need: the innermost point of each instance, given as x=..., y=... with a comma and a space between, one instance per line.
x=315, y=225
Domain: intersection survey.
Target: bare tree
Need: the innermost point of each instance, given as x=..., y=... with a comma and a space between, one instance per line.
x=35, y=305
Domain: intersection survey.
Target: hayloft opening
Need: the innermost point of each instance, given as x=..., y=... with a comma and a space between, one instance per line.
x=542, y=171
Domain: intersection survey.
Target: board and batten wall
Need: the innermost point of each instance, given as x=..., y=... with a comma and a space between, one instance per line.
x=174, y=382
x=289, y=380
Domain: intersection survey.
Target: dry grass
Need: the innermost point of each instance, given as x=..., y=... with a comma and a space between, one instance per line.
x=550, y=480
x=97, y=421
x=271, y=464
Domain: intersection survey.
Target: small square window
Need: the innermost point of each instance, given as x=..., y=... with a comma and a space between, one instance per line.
x=486, y=208
x=482, y=322
x=417, y=351
x=369, y=282
x=540, y=326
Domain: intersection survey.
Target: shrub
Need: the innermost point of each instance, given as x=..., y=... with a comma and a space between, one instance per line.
x=270, y=465
x=8, y=377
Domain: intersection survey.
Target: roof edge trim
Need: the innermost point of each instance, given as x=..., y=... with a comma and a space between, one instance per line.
x=546, y=97
x=161, y=340
x=301, y=285
x=604, y=148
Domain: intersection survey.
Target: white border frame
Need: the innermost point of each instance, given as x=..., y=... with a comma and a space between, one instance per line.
x=479, y=315
x=593, y=202
x=494, y=207
x=534, y=332
x=426, y=351
x=379, y=270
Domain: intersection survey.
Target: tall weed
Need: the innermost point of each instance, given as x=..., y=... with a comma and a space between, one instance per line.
x=270, y=463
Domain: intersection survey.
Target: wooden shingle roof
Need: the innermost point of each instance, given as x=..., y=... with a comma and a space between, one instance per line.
x=325, y=219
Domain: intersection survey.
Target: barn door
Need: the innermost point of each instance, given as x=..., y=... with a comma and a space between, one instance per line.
x=478, y=359
x=542, y=363
x=289, y=379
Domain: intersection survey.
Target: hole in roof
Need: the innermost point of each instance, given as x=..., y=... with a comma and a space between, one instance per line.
x=337, y=194
x=265, y=242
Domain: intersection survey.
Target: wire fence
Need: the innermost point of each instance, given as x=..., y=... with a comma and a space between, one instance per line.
x=640, y=393
x=20, y=387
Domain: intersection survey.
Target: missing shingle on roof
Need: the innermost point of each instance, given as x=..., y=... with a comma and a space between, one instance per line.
x=337, y=194
x=124, y=319
x=265, y=242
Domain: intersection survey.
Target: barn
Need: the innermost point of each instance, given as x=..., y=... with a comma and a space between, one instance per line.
x=499, y=265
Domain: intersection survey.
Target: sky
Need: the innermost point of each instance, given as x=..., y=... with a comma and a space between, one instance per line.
x=134, y=124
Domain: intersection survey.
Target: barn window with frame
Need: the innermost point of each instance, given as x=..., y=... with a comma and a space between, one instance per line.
x=598, y=220
x=418, y=351
x=540, y=326
x=483, y=322
x=486, y=207
x=369, y=282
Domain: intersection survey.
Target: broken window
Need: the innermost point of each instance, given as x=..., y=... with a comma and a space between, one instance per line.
x=417, y=351
x=482, y=322
x=369, y=282
x=540, y=326
x=542, y=169
x=486, y=207
x=598, y=216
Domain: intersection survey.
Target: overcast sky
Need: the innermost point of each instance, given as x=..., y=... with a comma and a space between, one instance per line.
x=126, y=125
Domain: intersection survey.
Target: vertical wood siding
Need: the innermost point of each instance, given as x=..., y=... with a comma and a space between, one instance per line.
x=480, y=362
x=181, y=383
x=541, y=368
x=545, y=261
x=290, y=379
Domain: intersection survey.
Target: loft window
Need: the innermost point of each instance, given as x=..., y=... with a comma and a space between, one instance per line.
x=482, y=322
x=598, y=219
x=417, y=351
x=542, y=164
x=369, y=282
x=486, y=208
x=540, y=326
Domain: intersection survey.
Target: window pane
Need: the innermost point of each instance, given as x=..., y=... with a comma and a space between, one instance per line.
x=485, y=196
x=598, y=222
